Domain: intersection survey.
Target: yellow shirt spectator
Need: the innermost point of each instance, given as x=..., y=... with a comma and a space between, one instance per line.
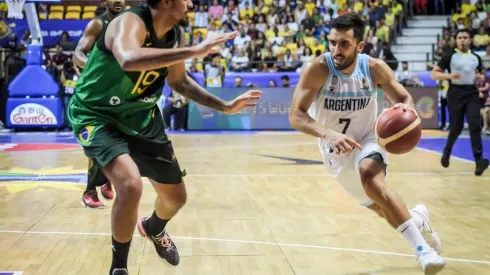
x=265, y=9
x=269, y=34
x=457, y=16
x=383, y=33
x=268, y=2
x=358, y=6
x=397, y=9
x=244, y=12
x=467, y=8
x=308, y=40
x=310, y=6
x=319, y=47
x=293, y=47
x=341, y=3
x=389, y=19
x=480, y=40
x=285, y=33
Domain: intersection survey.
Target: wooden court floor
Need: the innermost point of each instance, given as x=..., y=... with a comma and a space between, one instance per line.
x=257, y=204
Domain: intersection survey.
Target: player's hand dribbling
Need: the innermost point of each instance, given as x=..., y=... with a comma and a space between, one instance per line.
x=211, y=43
x=246, y=100
x=340, y=143
x=405, y=107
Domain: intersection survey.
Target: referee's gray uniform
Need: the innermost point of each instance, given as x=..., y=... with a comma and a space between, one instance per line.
x=463, y=99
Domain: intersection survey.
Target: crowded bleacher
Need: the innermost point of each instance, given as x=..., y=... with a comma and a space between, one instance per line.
x=275, y=36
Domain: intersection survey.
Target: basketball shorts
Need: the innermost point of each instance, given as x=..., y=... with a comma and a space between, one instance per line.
x=345, y=169
x=151, y=149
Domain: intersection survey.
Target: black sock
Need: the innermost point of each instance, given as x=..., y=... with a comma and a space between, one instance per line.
x=156, y=225
x=120, y=252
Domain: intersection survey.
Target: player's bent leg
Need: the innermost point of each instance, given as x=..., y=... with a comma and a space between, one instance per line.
x=372, y=176
x=171, y=197
x=154, y=155
x=124, y=174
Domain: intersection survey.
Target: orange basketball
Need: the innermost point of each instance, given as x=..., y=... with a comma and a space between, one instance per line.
x=398, y=131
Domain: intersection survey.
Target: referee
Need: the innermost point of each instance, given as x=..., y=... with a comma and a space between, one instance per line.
x=463, y=68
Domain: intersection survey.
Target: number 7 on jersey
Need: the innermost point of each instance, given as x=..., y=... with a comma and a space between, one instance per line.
x=346, y=126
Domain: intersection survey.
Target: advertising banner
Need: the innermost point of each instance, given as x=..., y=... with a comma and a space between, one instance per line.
x=272, y=111
x=426, y=104
x=50, y=29
x=34, y=112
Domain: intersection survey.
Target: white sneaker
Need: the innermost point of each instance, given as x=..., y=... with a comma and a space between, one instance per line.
x=430, y=262
x=429, y=235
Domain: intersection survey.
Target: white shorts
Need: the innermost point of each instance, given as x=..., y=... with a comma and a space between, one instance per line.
x=345, y=169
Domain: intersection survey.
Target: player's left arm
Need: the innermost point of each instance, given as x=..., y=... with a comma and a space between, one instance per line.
x=384, y=77
x=180, y=82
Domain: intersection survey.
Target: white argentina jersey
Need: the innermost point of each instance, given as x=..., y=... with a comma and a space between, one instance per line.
x=347, y=103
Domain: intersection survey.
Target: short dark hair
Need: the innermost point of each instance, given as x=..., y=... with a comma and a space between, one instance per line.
x=465, y=30
x=152, y=3
x=349, y=22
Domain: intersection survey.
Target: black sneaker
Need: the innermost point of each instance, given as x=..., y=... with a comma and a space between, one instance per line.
x=164, y=246
x=120, y=271
x=446, y=154
x=481, y=166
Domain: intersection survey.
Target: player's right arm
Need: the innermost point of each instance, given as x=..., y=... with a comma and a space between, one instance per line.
x=438, y=71
x=86, y=43
x=125, y=37
x=313, y=77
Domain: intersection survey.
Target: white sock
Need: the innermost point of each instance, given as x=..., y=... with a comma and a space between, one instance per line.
x=412, y=234
x=416, y=219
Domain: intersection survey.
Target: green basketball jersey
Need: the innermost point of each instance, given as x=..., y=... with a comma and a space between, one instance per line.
x=106, y=94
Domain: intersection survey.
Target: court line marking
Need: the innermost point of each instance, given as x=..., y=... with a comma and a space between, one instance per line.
x=39, y=180
x=333, y=248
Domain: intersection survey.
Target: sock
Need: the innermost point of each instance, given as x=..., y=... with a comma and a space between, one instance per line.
x=91, y=176
x=416, y=219
x=411, y=233
x=120, y=252
x=156, y=225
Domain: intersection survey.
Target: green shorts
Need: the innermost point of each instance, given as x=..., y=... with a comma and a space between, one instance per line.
x=151, y=149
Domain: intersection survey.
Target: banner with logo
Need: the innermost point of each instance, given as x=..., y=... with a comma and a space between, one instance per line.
x=50, y=29
x=34, y=112
x=426, y=103
x=272, y=111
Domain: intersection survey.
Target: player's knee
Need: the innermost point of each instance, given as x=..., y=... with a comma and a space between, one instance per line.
x=174, y=198
x=178, y=200
x=130, y=189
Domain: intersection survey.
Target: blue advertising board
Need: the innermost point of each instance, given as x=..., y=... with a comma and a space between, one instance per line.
x=34, y=112
x=50, y=29
x=271, y=112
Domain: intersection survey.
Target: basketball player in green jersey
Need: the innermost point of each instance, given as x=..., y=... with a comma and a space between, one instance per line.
x=94, y=28
x=115, y=118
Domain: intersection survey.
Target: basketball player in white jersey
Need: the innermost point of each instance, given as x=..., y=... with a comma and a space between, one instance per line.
x=335, y=101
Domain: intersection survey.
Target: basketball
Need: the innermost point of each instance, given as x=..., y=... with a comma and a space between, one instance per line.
x=398, y=131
